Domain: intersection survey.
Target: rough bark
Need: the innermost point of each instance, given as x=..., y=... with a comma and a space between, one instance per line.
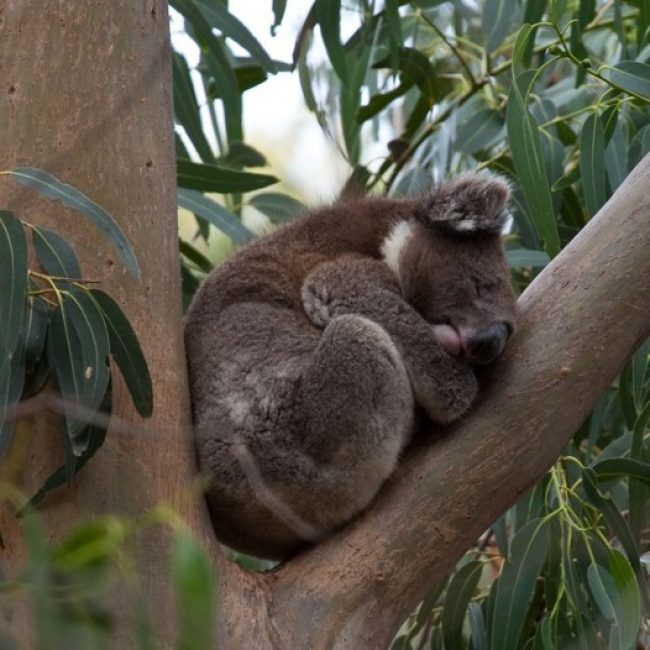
x=85, y=93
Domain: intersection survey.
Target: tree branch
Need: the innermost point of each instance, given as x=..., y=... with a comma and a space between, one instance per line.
x=580, y=321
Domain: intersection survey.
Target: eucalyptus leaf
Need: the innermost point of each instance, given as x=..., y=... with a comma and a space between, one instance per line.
x=12, y=380
x=77, y=348
x=531, y=172
x=52, y=188
x=481, y=131
x=54, y=253
x=461, y=588
x=13, y=281
x=214, y=213
x=125, y=349
x=230, y=26
x=632, y=76
x=516, y=585
x=592, y=159
x=212, y=178
x=328, y=15
x=612, y=468
x=36, y=322
x=195, y=589
x=278, y=207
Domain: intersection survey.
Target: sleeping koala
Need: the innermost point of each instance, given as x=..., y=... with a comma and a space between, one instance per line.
x=309, y=349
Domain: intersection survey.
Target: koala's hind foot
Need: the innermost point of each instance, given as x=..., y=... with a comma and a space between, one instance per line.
x=359, y=410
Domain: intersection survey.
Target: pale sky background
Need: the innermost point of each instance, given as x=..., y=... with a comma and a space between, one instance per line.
x=276, y=120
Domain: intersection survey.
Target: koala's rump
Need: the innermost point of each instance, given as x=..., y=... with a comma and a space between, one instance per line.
x=250, y=427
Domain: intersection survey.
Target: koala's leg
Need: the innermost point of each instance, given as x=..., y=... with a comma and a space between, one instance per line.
x=443, y=385
x=359, y=409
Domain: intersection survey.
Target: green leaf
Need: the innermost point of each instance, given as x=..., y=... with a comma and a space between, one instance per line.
x=195, y=588
x=279, y=7
x=516, y=585
x=195, y=256
x=328, y=16
x=477, y=627
x=638, y=493
x=416, y=67
x=524, y=257
x=616, y=157
x=612, y=468
x=481, y=131
x=523, y=135
x=378, y=102
x=521, y=49
x=77, y=347
x=613, y=517
x=13, y=281
x=212, y=178
x=12, y=380
x=278, y=207
x=94, y=435
x=394, y=25
x=54, y=253
x=243, y=154
x=461, y=588
x=216, y=59
x=36, y=322
x=186, y=107
x=632, y=76
x=592, y=158
x=498, y=16
x=215, y=214
x=52, y=188
x=230, y=26
x=125, y=349
x=617, y=596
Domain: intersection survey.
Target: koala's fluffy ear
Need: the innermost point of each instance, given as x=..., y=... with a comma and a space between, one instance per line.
x=474, y=203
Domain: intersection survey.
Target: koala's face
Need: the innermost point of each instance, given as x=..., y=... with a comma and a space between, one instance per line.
x=453, y=269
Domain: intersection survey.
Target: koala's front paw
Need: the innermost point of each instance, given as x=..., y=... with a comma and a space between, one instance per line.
x=316, y=301
x=474, y=202
x=447, y=393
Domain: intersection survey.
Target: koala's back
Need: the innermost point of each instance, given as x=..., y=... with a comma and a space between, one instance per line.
x=249, y=343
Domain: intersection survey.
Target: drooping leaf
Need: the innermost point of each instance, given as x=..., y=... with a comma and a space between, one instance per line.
x=186, y=108
x=195, y=256
x=13, y=281
x=416, y=67
x=481, y=131
x=612, y=468
x=328, y=16
x=498, y=16
x=279, y=7
x=195, y=590
x=94, y=434
x=36, y=322
x=592, y=159
x=12, y=380
x=516, y=585
x=215, y=58
x=54, y=253
x=616, y=157
x=477, y=627
x=125, y=349
x=230, y=26
x=377, y=103
x=77, y=348
x=523, y=257
x=53, y=188
x=632, y=76
x=278, y=207
x=523, y=135
x=240, y=153
x=212, y=178
x=461, y=588
x=214, y=213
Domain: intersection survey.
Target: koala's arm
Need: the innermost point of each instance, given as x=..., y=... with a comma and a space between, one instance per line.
x=443, y=385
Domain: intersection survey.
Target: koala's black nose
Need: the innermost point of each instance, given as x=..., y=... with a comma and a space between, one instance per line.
x=486, y=344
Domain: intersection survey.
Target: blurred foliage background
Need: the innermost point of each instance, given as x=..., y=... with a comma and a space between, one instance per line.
x=554, y=95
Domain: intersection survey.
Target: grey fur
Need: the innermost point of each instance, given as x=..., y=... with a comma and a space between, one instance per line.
x=307, y=354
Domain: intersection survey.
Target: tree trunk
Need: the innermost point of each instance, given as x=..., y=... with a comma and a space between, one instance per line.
x=86, y=95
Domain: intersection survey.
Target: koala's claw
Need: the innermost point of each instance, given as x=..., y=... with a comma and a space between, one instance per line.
x=317, y=303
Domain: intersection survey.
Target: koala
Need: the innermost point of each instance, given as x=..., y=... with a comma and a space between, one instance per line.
x=310, y=349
